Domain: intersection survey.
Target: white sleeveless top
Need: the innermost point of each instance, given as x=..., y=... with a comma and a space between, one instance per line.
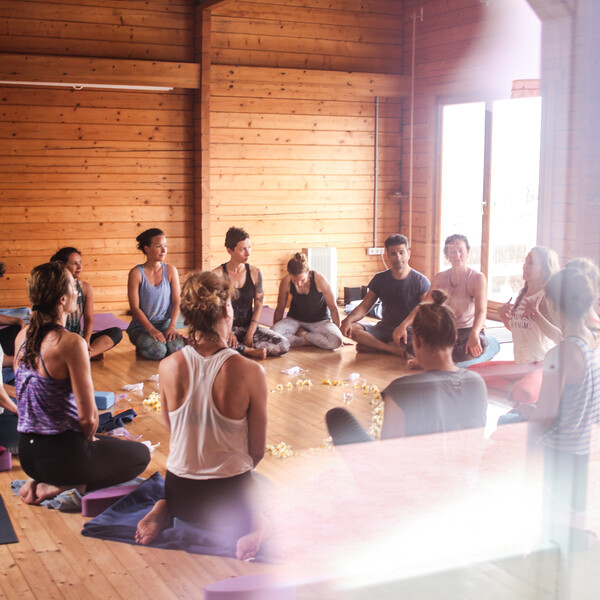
x=204, y=443
x=530, y=343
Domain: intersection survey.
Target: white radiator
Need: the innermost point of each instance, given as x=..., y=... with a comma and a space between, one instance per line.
x=324, y=260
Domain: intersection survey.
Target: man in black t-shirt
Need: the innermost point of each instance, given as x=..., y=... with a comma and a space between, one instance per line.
x=400, y=289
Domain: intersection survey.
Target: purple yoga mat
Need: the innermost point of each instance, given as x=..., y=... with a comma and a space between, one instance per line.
x=106, y=320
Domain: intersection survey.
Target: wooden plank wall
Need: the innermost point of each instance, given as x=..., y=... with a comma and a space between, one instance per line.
x=294, y=168
x=466, y=50
x=93, y=168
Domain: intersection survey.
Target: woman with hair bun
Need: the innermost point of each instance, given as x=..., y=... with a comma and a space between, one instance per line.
x=215, y=404
x=153, y=291
x=442, y=398
x=312, y=309
x=58, y=418
x=101, y=341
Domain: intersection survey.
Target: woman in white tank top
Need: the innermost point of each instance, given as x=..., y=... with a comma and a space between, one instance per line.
x=215, y=404
x=533, y=333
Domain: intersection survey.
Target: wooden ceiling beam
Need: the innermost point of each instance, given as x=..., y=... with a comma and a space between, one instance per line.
x=103, y=71
x=277, y=82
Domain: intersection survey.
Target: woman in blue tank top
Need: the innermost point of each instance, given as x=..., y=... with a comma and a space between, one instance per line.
x=153, y=290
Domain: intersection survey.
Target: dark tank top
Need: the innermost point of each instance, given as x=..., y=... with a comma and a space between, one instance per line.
x=310, y=307
x=243, y=305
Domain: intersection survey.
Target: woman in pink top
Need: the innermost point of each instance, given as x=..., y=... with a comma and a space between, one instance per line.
x=467, y=297
x=215, y=404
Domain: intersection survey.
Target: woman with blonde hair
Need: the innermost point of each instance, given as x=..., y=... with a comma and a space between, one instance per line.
x=313, y=317
x=215, y=404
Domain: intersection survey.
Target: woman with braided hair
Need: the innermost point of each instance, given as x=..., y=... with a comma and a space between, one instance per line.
x=58, y=418
x=215, y=404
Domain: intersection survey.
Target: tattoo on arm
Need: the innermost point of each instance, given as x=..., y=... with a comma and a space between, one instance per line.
x=259, y=294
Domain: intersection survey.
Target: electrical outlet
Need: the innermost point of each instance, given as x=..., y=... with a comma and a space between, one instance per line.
x=375, y=251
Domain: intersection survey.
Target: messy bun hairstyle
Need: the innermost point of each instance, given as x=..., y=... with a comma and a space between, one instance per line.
x=434, y=322
x=145, y=238
x=298, y=264
x=46, y=285
x=203, y=298
x=571, y=292
x=63, y=254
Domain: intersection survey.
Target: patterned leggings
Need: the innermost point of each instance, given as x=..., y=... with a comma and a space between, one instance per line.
x=151, y=349
x=273, y=342
x=323, y=334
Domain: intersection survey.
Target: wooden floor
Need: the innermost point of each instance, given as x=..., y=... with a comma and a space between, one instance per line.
x=52, y=559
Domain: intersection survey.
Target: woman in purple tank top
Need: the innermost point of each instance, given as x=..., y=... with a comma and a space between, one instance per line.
x=58, y=418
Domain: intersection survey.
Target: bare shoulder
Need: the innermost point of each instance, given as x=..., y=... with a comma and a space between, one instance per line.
x=171, y=270
x=68, y=341
x=86, y=288
x=134, y=274
x=254, y=271
x=218, y=271
x=477, y=280
x=240, y=365
x=172, y=366
x=437, y=279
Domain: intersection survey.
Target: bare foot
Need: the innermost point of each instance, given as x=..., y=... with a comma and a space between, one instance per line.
x=33, y=492
x=152, y=524
x=413, y=364
x=395, y=349
x=248, y=545
x=27, y=492
x=260, y=353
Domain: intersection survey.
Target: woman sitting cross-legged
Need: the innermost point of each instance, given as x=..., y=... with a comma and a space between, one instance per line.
x=58, y=418
x=246, y=336
x=101, y=341
x=442, y=398
x=215, y=404
x=312, y=310
x=153, y=291
x=466, y=292
x=533, y=335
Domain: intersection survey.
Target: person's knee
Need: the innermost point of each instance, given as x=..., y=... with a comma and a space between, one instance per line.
x=115, y=334
x=175, y=345
x=154, y=351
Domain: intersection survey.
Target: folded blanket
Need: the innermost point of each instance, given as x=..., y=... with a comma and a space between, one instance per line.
x=119, y=523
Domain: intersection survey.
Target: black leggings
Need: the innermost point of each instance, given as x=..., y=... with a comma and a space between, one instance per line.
x=69, y=459
x=212, y=503
x=7, y=339
x=114, y=333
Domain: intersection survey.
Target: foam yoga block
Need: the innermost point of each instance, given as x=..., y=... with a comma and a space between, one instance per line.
x=98, y=501
x=250, y=587
x=104, y=400
x=5, y=461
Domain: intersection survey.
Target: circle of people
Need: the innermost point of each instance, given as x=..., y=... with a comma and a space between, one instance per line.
x=208, y=379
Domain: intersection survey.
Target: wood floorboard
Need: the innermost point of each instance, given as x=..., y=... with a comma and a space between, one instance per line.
x=53, y=560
